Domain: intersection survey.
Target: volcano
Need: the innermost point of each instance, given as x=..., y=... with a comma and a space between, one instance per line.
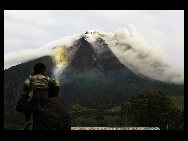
x=96, y=77
x=93, y=78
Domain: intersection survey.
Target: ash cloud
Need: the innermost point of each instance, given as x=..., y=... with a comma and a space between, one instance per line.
x=133, y=51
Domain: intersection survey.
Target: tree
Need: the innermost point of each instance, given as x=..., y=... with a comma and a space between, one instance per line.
x=154, y=109
x=124, y=115
x=99, y=119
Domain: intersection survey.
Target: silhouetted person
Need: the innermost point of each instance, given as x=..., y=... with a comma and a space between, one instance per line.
x=36, y=87
x=49, y=114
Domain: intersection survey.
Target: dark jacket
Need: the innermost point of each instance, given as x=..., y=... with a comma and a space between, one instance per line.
x=48, y=115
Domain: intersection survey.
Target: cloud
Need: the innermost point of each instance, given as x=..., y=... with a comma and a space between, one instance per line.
x=32, y=27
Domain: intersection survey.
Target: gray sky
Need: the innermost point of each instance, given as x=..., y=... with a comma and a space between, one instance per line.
x=32, y=29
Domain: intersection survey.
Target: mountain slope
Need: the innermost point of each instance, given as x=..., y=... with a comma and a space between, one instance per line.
x=97, y=77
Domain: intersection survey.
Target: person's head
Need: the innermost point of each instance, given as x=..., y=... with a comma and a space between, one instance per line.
x=54, y=88
x=40, y=68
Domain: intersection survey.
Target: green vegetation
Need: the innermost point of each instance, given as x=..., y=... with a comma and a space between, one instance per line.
x=153, y=109
x=114, y=109
x=178, y=100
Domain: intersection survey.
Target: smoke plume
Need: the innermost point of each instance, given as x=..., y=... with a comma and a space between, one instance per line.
x=57, y=71
x=133, y=51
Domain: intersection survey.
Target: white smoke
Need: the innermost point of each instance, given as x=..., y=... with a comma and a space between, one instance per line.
x=139, y=57
x=58, y=70
x=15, y=58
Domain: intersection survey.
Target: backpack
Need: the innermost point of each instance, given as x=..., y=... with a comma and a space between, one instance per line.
x=22, y=100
